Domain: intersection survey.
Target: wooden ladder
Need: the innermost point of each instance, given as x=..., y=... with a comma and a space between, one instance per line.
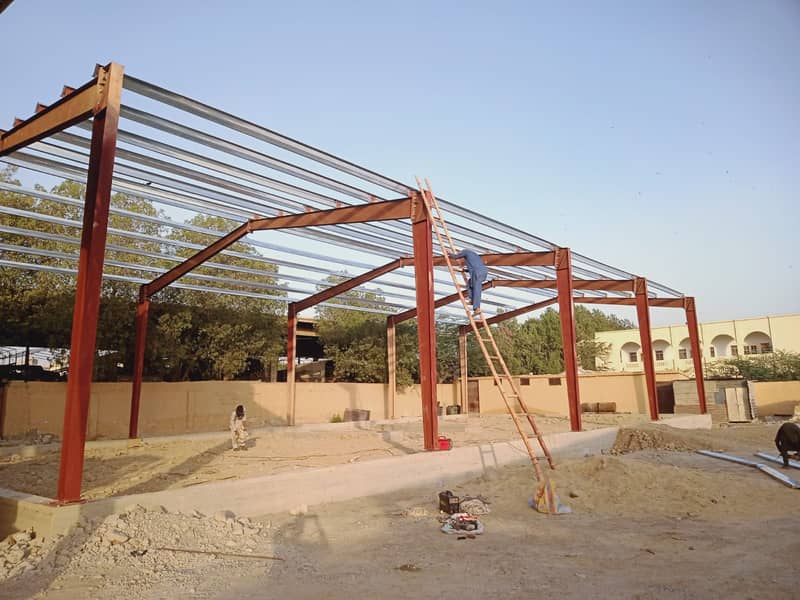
x=483, y=332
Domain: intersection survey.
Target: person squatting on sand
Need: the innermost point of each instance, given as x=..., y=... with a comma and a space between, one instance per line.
x=788, y=440
x=238, y=430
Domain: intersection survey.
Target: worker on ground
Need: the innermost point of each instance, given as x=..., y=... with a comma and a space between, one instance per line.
x=238, y=430
x=477, y=275
x=788, y=440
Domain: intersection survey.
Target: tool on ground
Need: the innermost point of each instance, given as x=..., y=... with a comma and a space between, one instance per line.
x=220, y=553
x=483, y=332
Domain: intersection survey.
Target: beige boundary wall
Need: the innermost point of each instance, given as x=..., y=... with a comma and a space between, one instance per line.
x=547, y=394
x=173, y=408
x=186, y=407
x=775, y=397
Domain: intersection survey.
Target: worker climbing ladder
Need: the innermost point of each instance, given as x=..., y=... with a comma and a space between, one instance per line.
x=483, y=332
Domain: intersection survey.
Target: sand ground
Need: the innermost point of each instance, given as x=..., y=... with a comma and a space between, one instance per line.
x=653, y=520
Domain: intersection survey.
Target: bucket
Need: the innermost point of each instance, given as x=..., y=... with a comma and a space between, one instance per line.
x=445, y=443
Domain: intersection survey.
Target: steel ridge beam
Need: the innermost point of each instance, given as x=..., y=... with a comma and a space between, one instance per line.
x=654, y=302
x=80, y=104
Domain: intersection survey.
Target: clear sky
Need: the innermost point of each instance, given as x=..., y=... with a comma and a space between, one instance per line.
x=660, y=137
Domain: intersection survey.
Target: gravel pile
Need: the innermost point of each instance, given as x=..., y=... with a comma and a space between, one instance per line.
x=125, y=555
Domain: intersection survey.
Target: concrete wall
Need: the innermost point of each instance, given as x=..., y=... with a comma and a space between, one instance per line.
x=169, y=408
x=547, y=394
x=775, y=397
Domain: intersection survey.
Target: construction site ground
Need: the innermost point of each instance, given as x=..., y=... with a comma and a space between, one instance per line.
x=650, y=519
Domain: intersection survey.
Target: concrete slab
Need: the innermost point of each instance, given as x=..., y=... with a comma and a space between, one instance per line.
x=286, y=491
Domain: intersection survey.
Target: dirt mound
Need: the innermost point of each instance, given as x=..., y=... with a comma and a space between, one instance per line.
x=653, y=437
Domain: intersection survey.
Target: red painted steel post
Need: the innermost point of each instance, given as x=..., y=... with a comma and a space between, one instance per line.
x=464, y=369
x=569, y=342
x=291, y=358
x=391, y=364
x=426, y=332
x=87, y=293
x=142, y=312
x=643, y=315
x=697, y=355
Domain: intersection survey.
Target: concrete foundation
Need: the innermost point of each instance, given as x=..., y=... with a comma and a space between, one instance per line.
x=286, y=491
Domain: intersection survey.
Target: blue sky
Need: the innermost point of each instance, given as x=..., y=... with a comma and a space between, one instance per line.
x=660, y=137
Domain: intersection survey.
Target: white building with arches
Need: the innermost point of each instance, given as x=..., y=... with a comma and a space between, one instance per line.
x=719, y=340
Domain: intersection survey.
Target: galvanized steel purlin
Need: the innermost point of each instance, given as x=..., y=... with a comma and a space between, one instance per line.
x=369, y=238
x=248, y=128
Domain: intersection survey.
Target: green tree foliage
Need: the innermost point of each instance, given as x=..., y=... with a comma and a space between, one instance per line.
x=776, y=366
x=192, y=334
x=354, y=340
x=535, y=346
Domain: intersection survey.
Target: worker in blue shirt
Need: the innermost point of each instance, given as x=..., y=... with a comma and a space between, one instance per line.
x=477, y=275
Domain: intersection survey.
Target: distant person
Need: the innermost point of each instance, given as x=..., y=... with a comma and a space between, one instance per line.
x=477, y=275
x=788, y=440
x=238, y=430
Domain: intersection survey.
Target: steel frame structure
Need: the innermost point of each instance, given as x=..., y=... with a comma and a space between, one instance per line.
x=185, y=155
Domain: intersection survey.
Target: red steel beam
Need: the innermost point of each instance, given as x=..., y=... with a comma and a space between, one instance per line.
x=643, y=315
x=375, y=211
x=608, y=285
x=90, y=99
x=426, y=332
x=142, y=311
x=568, y=335
x=178, y=271
x=291, y=356
x=345, y=286
x=697, y=355
x=378, y=211
x=512, y=259
x=443, y=301
x=656, y=302
x=90, y=275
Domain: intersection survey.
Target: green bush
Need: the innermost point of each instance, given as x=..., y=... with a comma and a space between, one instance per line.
x=337, y=418
x=776, y=366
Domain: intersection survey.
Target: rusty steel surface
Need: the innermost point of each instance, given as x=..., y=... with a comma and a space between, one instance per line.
x=697, y=355
x=645, y=335
x=377, y=211
x=515, y=259
x=291, y=356
x=569, y=341
x=77, y=106
x=142, y=313
x=87, y=295
x=391, y=363
x=345, y=286
x=426, y=330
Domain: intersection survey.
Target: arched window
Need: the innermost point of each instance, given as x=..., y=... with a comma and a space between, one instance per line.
x=630, y=352
x=662, y=350
x=685, y=349
x=723, y=345
x=757, y=342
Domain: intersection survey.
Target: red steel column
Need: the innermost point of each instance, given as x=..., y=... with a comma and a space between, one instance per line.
x=643, y=315
x=391, y=363
x=87, y=292
x=464, y=368
x=566, y=312
x=426, y=336
x=142, y=311
x=697, y=356
x=291, y=357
